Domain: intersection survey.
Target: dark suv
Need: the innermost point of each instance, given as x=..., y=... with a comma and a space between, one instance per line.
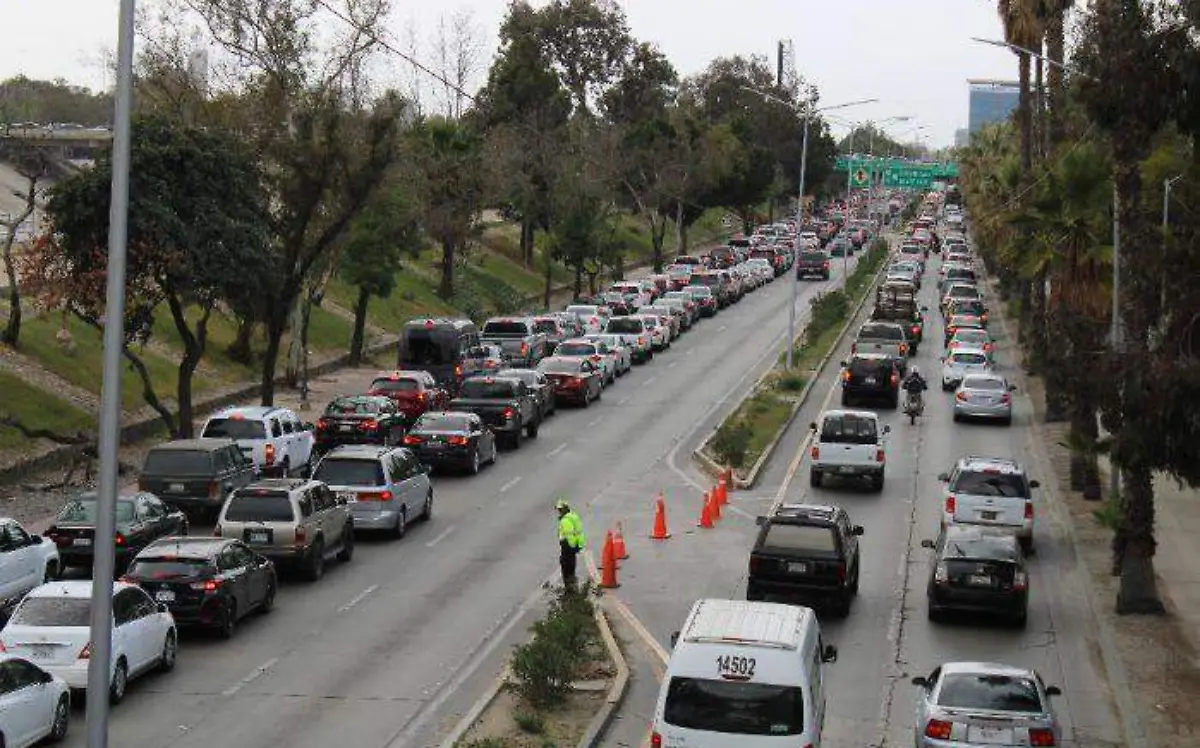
x=806, y=552
x=813, y=264
x=195, y=475
x=871, y=376
x=978, y=570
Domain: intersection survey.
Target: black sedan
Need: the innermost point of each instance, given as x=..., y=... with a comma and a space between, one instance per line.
x=573, y=380
x=452, y=439
x=206, y=582
x=978, y=570
x=536, y=382
x=141, y=519
x=360, y=419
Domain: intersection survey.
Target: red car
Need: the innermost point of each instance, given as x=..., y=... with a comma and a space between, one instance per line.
x=414, y=392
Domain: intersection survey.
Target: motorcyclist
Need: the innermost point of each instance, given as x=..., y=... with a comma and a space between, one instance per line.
x=914, y=385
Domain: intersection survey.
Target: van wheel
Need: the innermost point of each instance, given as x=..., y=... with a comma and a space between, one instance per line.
x=347, y=551
x=877, y=483
x=842, y=607
x=814, y=478
x=52, y=571
x=473, y=469
x=401, y=526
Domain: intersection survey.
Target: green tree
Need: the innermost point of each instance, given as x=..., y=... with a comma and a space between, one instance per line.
x=588, y=42
x=385, y=232
x=198, y=234
x=23, y=99
x=33, y=167
x=1022, y=28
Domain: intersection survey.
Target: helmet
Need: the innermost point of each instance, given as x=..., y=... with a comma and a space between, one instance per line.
x=562, y=505
x=913, y=371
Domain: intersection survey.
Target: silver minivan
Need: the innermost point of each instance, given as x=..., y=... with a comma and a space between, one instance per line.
x=385, y=487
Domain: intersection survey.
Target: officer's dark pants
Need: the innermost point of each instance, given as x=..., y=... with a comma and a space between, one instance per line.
x=566, y=561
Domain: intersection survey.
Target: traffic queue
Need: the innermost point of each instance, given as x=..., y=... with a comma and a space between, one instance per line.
x=285, y=496
x=752, y=672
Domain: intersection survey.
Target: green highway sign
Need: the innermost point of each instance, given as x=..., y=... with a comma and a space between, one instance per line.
x=896, y=167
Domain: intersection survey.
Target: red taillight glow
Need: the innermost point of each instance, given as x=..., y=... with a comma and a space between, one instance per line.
x=269, y=454
x=960, y=396
x=816, y=453
x=841, y=571
x=375, y=496
x=510, y=413
x=214, y=489
x=1020, y=581
x=1041, y=736
x=322, y=424
x=412, y=440
x=300, y=536
x=655, y=740
x=879, y=455
x=1028, y=510
x=903, y=349
x=950, y=504
x=938, y=729
x=854, y=348
x=120, y=539
x=895, y=379
x=208, y=585
x=458, y=441
x=916, y=330
x=86, y=652
x=216, y=531
x=1006, y=398
x=370, y=425
x=846, y=375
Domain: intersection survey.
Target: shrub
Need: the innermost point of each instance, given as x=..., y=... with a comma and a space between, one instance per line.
x=791, y=382
x=828, y=311
x=485, y=743
x=546, y=665
x=530, y=722
x=730, y=442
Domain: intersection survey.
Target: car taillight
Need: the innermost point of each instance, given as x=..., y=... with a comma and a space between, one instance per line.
x=655, y=739
x=846, y=375
x=375, y=496
x=903, y=349
x=509, y=413
x=411, y=440
x=879, y=455
x=322, y=424
x=370, y=425
x=1028, y=510
x=300, y=536
x=950, y=505
x=120, y=539
x=1020, y=581
x=841, y=571
x=916, y=330
x=960, y=396
x=2, y=648
x=895, y=379
x=458, y=371
x=940, y=575
x=458, y=441
x=524, y=349
x=938, y=729
x=827, y=264
x=422, y=396
x=575, y=382
x=815, y=453
x=86, y=652
x=1041, y=736
x=208, y=585
x=854, y=348
x=1006, y=399
x=216, y=531
x=755, y=564
x=269, y=454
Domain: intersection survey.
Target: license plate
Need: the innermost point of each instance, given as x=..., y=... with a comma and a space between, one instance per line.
x=869, y=380
x=41, y=652
x=846, y=469
x=176, y=488
x=349, y=496
x=82, y=541
x=988, y=515
x=345, y=429
x=165, y=596
x=797, y=567
x=979, y=580
x=258, y=537
x=989, y=735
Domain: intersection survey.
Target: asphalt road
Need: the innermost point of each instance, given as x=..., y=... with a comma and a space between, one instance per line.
x=887, y=639
x=390, y=649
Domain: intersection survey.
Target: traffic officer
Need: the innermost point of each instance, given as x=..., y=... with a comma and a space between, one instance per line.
x=570, y=541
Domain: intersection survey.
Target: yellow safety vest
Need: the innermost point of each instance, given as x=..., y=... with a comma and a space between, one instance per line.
x=570, y=529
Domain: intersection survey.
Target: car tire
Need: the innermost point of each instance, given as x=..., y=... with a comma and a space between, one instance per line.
x=845, y=399
x=531, y=430
x=316, y=562
x=753, y=595
x=229, y=620
x=514, y=441
x=1007, y=421
x=268, y=601
x=492, y=456
x=185, y=528
x=814, y=478
x=52, y=572
x=877, y=483
x=346, y=554
x=1020, y=620
x=427, y=510
x=170, y=652
x=62, y=719
x=401, y=527
x=599, y=393
x=933, y=615
x=1026, y=545
x=894, y=401
x=957, y=417
x=119, y=682
x=473, y=468
x=842, y=608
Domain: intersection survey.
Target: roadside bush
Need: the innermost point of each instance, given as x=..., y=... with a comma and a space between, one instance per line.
x=730, y=442
x=485, y=743
x=530, y=722
x=791, y=382
x=546, y=665
x=828, y=311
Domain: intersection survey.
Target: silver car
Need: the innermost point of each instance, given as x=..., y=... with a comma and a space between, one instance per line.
x=963, y=361
x=619, y=346
x=984, y=396
x=977, y=704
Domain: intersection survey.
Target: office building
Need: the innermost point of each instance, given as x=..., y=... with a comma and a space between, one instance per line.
x=990, y=102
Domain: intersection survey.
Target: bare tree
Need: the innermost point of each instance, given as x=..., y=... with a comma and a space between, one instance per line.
x=458, y=54
x=414, y=79
x=32, y=165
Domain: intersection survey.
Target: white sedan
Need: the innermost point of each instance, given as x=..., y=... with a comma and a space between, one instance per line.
x=620, y=349
x=34, y=704
x=596, y=352
x=26, y=560
x=963, y=361
x=51, y=628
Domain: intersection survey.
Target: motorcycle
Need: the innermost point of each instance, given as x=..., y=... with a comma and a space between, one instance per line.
x=914, y=404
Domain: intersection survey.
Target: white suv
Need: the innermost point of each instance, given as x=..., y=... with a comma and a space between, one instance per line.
x=849, y=444
x=990, y=491
x=273, y=438
x=26, y=560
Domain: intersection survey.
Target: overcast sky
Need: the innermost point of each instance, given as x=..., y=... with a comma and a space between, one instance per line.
x=913, y=55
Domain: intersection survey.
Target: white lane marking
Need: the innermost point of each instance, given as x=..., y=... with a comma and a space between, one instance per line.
x=254, y=675
x=595, y=421
x=689, y=351
x=358, y=598
x=638, y=627
x=739, y=510
x=440, y=537
x=804, y=445
x=510, y=484
x=672, y=365
x=648, y=381
x=722, y=328
x=622, y=401
x=558, y=449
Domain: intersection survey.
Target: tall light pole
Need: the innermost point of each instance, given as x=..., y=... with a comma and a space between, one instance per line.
x=806, y=113
x=100, y=662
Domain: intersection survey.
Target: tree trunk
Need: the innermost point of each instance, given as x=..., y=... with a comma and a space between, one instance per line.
x=276, y=323
x=139, y=367
x=1025, y=114
x=1085, y=474
x=12, y=330
x=527, y=241
x=548, y=289
x=360, y=324
x=578, y=281
x=1039, y=111
x=446, y=287
x=1055, y=94
x=680, y=232
x=658, y=235
x=1037, y=324
x=1134, y=546
x=194, y=345
x=291, y=372
x=239, y=350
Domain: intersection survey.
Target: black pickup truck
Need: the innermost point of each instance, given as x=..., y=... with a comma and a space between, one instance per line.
x=902, y=308
x=506, y=406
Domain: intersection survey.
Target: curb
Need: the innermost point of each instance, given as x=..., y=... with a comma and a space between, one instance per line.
x=477, y=709
x=710, y=466
x=616, y=693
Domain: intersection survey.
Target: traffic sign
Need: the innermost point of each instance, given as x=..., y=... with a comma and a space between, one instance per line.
x=861, y=177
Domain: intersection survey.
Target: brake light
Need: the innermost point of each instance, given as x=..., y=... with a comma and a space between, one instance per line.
x=214, y=489
x=1006, y=398
x=827, y=264
x=938, y=729
x=655, y=740
x=524, y=349
x=596, y=356
x=846, y=375
x=208, y=585
x=816, y=453
x=422, y=396
x=960, y=396
x=216, y=531
x=854, y=348
x=1041, y=736
x=120, y=539
x=458, y=441
x=1028, y=510
x=300, y=536
x=903, y=349
x=370, y=425
x=940, y=575
x=458, y=370
x=411, y=440
x=879, y=455
x=895, y=379
x=375, y=496
x=950, y=505
x=269, y=454
x=575, y=382
x=509, y=413
x=841, y=571
x=322, y=424
x=916, y=330
x=2, y=649
x=86, y=652
x=1020, y=581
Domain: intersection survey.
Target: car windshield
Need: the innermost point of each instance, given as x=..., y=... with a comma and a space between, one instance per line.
x=789, y=537
x=53, y=611
x=849, y=428
x=575, y=349
x=812, y=256
x=442, y=422
x=867, y=365
x=560, y=366
x=625, y=325
x=505, y=327
x=177, y=462
x=399, y=384
x=650, y=322
x=419, y=348
x=259, y=507
x=999, y=693
x=350, y=406
x=733, y=707
x=169, y=568
x=980, y=572
x=83, y=511
x=985, y=383
x=968, y=359
x=521, y=375
x=704, y=291
x=343, y=471
x=981, y=483
x=235, y=428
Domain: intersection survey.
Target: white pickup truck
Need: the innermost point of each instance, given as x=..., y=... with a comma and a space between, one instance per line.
x=850, y=444
x=888, y=338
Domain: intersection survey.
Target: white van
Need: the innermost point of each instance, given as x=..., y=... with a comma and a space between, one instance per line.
x=744, y=675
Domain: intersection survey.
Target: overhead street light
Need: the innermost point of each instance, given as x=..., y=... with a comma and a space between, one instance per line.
x=1032, y=53
x=806, y=112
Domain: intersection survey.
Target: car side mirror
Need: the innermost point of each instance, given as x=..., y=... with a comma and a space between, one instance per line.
x=921, y=681
x=760, y=521
x=36, y=539
x=829, y=653
x=857, y=530
x=162, y=608
x=1053, y=691
x=674, y=639
x=944, y=477
x=927, y=543
x=1034, y=483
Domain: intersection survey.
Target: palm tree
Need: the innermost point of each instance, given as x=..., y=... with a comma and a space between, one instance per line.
x=1055, y=28
x=1022, y=28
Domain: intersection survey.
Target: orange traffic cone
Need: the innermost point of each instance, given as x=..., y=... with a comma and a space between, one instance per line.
x=706, y=519
x=660, y=519
x=608, y=564
x=721, y=491
x=714, y=504
x=619, y=543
